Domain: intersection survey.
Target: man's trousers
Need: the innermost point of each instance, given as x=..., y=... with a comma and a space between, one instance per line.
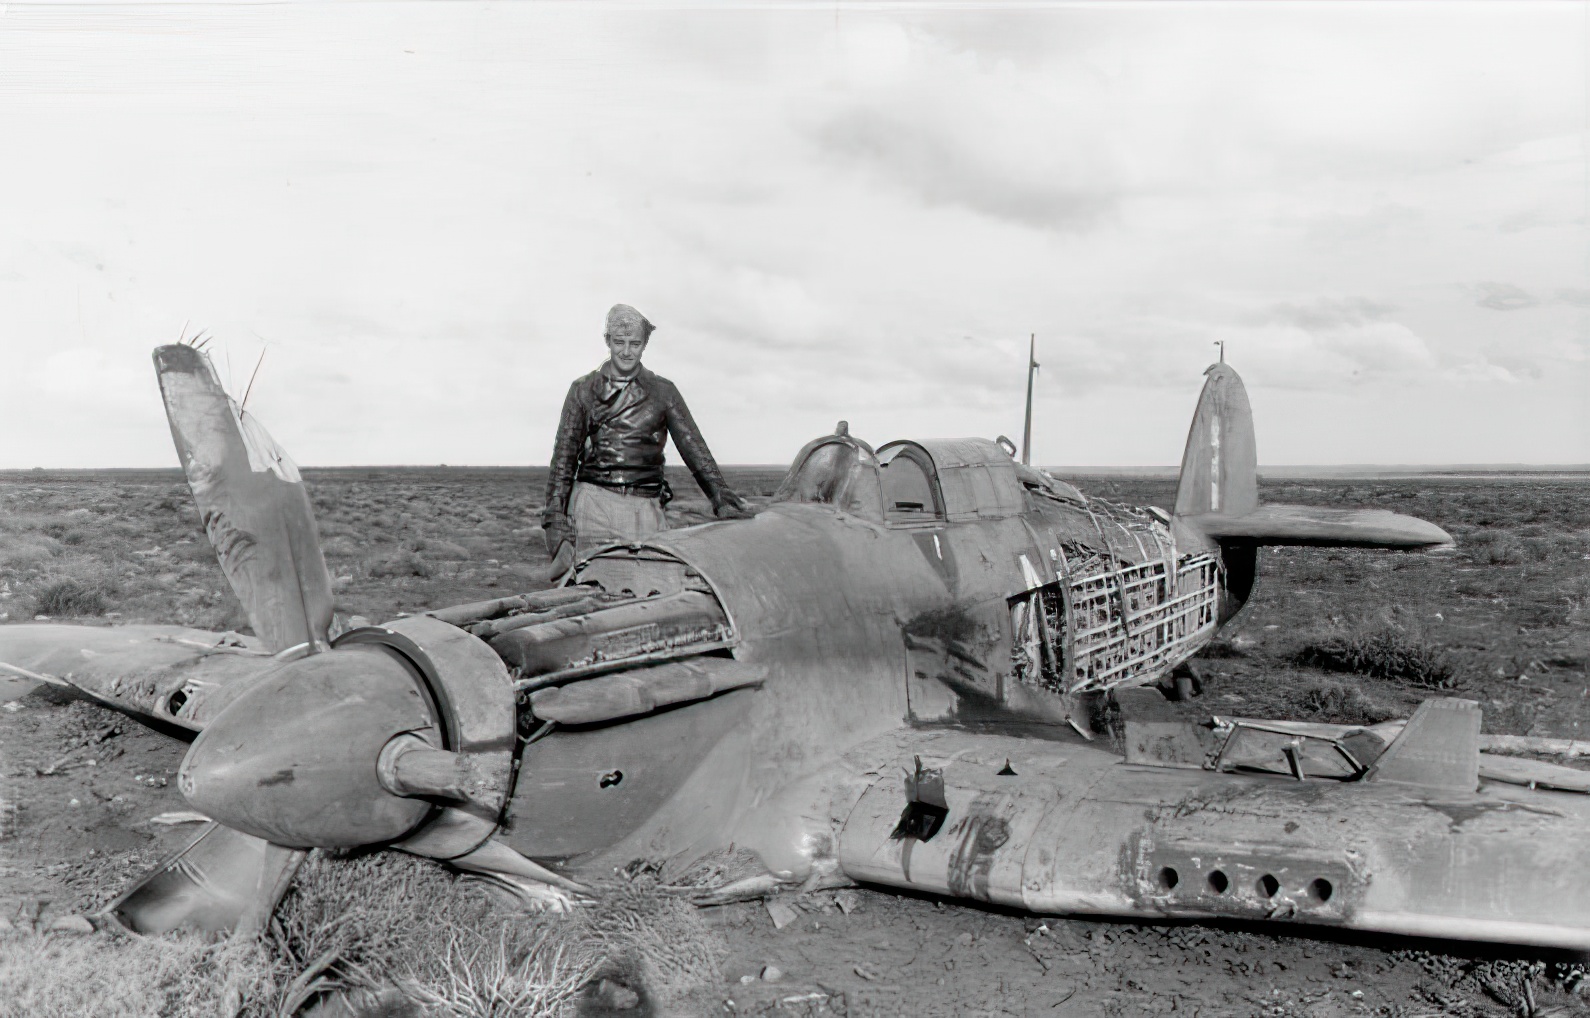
x=602, y=516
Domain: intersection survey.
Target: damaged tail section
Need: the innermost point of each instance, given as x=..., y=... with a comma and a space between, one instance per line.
x=1218, y=493
x=1220, y=468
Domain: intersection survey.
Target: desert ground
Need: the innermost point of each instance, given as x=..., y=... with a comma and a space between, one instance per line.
x=1329, y=635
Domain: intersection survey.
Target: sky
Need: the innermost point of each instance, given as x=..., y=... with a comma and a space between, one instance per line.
x=420, y=212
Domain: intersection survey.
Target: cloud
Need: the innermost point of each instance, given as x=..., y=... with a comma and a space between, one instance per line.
x=1504, y=297
x=1325, y=313
x=940, y=168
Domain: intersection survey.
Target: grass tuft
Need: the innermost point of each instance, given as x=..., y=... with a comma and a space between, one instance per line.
x=404, y=563
x=1381, y=654
x=119, y=975
x=65, y=598
x=1338, y=704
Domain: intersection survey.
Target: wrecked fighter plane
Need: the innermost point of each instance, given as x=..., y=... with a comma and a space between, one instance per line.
x=923, y=665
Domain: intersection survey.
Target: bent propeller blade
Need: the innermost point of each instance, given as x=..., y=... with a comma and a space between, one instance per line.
x=252, y=501
x=221, y=881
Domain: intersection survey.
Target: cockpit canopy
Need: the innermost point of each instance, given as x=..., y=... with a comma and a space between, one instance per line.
x=955, y=479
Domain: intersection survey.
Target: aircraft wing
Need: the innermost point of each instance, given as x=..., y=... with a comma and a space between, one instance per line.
x=1431, y=839
x=169, y=677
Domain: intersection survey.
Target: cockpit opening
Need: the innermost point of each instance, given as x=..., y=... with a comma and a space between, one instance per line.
x=908, y=489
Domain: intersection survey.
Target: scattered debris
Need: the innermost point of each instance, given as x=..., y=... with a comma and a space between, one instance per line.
x=616, y=996
x=181, y=816
x=781, y=913
x=69, y=924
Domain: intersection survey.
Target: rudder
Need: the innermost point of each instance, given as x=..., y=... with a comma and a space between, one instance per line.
x=1219, y=470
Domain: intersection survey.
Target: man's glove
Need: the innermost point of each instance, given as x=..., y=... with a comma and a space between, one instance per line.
x=731, y=507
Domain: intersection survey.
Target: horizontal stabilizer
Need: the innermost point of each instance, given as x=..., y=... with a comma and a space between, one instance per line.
x=1321, y=527
x=626, y=694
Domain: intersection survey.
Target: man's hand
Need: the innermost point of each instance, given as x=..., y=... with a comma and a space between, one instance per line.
x=556, y=530
x=562, y=562
x=732, y=507
x=559, y=534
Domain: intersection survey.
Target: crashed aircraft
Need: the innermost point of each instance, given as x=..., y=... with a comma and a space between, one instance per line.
x=892, y=675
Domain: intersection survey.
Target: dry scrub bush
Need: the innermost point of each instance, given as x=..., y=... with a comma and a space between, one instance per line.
x=657, y=944
x=398, y=935
x=70, y=597
x=118, y=975
x=403, y=563
x=1340, y=704
x=1381, y=653
x=376, y=921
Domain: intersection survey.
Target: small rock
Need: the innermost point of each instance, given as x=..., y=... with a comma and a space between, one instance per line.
x=772, y=974
x=781, y=914
x=747, y=980
x=74, y=802
x=616, y=996
x=69, y=924
x=847, y=900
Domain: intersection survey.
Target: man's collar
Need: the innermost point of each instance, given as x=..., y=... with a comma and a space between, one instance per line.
x=611, y=373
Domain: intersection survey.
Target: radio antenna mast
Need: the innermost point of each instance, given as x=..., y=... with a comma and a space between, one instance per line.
x=1032, y=369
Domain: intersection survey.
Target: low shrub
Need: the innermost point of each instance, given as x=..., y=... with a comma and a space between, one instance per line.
x=68, y=598
x=403, y=563
x=1335, y=703
x=1381, y=654
x=1222, y=648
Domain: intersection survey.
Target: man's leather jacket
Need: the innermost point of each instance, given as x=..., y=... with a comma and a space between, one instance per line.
x=613, y=435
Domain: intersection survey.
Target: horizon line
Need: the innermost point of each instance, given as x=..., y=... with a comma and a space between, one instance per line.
x=1065, y=468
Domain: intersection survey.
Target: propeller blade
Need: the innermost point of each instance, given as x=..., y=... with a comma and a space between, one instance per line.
x=223, y=881
x=253, y=504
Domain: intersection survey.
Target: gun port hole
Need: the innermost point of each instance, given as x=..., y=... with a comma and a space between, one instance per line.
x=1321, y=889
x=1268, y=885
x=1218, y=882
x=1168, y=878
x=611, y=779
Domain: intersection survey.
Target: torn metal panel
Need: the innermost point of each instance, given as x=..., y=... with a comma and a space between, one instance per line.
x=222, y=880
x=163, y=675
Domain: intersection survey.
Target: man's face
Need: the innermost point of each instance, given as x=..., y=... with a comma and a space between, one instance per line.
x=625, y=343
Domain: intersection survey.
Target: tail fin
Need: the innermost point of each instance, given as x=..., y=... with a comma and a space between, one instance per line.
x=1219, y=470
x=1219, y=490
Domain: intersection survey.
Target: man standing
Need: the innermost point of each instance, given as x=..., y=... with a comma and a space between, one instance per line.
x=606, y=483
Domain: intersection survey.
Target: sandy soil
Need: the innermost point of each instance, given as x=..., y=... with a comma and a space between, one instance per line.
x=81, y=786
